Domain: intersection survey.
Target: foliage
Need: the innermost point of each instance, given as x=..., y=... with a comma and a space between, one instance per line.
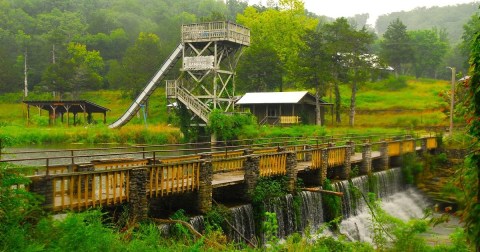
x=411, y=167
x=228, y=126
x=393, y=84
x=282, y=43
x=19, y=210
x=451, y=17
x=270, y=227
x=428, y=51
x=396, y=46
x=332, y=203
x=472, y=174
x=215, y=219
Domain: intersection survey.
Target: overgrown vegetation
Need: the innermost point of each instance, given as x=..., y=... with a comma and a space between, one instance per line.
x=229, y=126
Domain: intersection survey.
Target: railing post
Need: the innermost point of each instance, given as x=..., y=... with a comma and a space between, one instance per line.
x=385, y=159
x=323, y=165
x=138, y=193
x=43, y=185
x=252, y=172
x=424, y=146
x=291, y=171
x=366, y=166
x=205, y=189
x=347, y=166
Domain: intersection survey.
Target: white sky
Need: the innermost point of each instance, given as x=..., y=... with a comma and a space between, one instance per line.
x=348, y=8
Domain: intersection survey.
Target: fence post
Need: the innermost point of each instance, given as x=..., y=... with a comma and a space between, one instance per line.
x=291, y=171
x=366, y=166
x=385, y=159
x=252, y=172
x=43, y=185
x=323, y=165
x=205, y=188
x=138, y=193
x=424, y=146
x=347, y=165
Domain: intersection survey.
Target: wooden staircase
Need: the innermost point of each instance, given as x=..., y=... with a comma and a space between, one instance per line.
x=200, y=109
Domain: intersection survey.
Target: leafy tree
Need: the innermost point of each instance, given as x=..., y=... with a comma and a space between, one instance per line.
x=338, y=34
x=80, y=71
x=139, y=64
x=260, y=70
x=396, y=46
x=315, y=62
x=429, y=51
x=359, y=62
x=282, y=30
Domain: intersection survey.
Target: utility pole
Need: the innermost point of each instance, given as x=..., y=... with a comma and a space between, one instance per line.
x=452, y=100
x=25, y=73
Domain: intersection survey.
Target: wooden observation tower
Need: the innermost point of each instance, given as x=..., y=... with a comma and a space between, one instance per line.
x=210, y=55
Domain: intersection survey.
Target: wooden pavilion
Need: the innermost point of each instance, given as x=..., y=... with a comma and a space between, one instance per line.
x=60, y=108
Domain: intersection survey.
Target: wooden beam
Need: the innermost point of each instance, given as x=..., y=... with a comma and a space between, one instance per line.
x=339, y=194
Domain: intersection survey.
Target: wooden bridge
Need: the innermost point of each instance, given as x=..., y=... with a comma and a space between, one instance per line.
x=114, y=181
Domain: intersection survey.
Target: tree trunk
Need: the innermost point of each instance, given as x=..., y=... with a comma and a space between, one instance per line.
x=352, y=100
x=318, y=119
x=337, y=102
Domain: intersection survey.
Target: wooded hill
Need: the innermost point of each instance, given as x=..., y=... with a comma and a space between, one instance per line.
x=450, y=18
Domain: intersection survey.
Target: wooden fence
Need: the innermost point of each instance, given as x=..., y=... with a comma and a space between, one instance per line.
x=273, y=164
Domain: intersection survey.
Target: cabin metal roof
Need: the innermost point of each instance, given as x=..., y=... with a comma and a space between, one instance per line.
x=275, y=98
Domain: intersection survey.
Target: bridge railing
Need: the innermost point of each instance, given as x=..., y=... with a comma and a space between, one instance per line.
x=273, y=164
x=81, y=190
x=175, y=177
x=336, y=155
x=431, y=143
x=228, y=161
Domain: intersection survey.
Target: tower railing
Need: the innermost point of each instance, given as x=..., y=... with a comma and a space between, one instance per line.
x=216, y=31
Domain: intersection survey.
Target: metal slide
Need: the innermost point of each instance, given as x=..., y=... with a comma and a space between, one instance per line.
x=148, y=90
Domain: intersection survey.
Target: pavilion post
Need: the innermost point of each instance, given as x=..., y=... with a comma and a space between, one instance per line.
x=104, y=117
x=28, y=115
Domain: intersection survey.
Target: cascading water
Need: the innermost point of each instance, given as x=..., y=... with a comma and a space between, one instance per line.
x=312, y=211
x=243, y=222
x=198, y=223
x=396, y=200
x=284, y=209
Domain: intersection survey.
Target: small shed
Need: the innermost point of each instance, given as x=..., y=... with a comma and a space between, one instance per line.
x=282, y=107
x=60, y=108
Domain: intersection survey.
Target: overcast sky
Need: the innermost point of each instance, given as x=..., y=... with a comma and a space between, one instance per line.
x=348, y=8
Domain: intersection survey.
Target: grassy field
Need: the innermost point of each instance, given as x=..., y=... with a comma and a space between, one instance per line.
x=378, y=107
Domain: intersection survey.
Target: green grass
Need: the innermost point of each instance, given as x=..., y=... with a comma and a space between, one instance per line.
x=406, y=108
x=419, y=94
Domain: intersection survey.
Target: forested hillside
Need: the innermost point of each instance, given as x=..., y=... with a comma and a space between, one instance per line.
x=68, y=45
x=448, y=18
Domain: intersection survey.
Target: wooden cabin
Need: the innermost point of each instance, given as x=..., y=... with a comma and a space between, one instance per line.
x=282, y=108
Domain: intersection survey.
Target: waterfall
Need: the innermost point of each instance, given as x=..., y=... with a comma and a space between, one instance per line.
x=243, y=222
x=312, y=211
x=197, y=223
x=284, y=210
x=397, y=200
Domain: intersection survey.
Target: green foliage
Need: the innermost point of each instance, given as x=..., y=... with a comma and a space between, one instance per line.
x=19, y=211
x=393, y=84
x=332, y=203
x=270, y=228
x=228, y=126
x=411, y=167
x=215, y=219
x=178, y=230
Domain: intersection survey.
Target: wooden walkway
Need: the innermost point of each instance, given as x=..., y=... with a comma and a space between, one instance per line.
x=112, y=182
